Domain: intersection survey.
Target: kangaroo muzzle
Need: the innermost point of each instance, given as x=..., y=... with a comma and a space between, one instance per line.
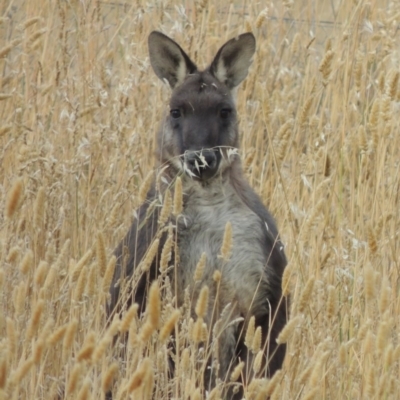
x=203, y=164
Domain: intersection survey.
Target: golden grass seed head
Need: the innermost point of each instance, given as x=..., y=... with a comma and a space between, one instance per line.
x=288, y=330
x=304, y=376
x=261, y=18
x=287, y=273
x=69, y=337
x=133, y=337
x=12, y=336
x=258, y=389
x=169, y=325
x=385, y=109
x=273, y=383
x=202, y=302
x=106, y=340
x=331, y=302
x=108, y=377
x=185, y=360
x=258, y=362
x=196, y=395
x=101, y=254
x=5, y=129
x=312, y=394
x=129, y=316
x=198, y=273
x=388, y=357
x=154, y=305
x=19, y=297
x=76, y=271
x=39, y=208
x=325, y=67
x=369, y=283
x=41, y=273
x=27, y=262
x=166, y=252
x=382, y=81
x=305, y=111
x=6, y=49
x=31, y=21
x=282, y=139
x=57, y=335
x=368, y=347
x=84, y=392
x=178, y=197
x=50, y=279
x=204, y=332
x=166, y=208
x=3, y=373
x=81, y=284
x=108, y=276
x=13, y=254
x=248, y=341
x=91, y=286
x=385, y=295
x=358, y=71
x=391, y=89
x=256, y=344
x=317, y=372
x=364, y=328
x=74, y=378
x=362, y=139
x=237, y=372
x=215, y=393
x=372, y=243
x=15, y=195
x=36, y=35
x=150, y=255
x=35, y=319
x=382, y=335
x=371, y=382
x=197, y=333
x=38, y=349
x=373, y=117
x=343, y=354
x=139, y=376
x=247, y=25
x=22, y=371
x=85, y=353
x=217, y=276
x=226, y=247
x=146, y=331
x=145, y=187
x=305, y=296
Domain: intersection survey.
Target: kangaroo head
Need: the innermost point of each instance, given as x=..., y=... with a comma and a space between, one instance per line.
x=202, y=123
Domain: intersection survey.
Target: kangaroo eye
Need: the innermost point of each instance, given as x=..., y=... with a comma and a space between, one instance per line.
x=225, y=113
x=175, y=113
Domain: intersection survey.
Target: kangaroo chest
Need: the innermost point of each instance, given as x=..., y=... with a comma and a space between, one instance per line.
x=201, y=230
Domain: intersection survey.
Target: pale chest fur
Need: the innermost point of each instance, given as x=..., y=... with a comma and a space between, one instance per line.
x=201, y=229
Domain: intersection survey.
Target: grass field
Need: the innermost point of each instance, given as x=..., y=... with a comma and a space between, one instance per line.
x=320, y=142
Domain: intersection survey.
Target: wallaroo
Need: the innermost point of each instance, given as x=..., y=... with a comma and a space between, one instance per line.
x=197, y=146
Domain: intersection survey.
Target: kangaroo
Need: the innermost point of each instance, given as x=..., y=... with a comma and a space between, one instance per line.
x=197, y=141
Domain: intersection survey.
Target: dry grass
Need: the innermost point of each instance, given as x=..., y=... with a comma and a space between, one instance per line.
x=79, y=108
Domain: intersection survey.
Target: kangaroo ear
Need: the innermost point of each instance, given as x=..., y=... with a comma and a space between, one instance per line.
x=232, y=62
x=168, y=59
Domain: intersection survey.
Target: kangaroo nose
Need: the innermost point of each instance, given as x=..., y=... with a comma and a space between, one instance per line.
x=202, y=163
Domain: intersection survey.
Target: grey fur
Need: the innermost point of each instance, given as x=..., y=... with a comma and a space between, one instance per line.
x=203, y=117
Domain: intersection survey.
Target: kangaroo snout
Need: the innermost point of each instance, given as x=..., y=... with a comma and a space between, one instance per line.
x=203, y=164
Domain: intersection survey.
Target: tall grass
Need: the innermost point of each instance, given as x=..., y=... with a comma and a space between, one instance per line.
x=79, y=109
